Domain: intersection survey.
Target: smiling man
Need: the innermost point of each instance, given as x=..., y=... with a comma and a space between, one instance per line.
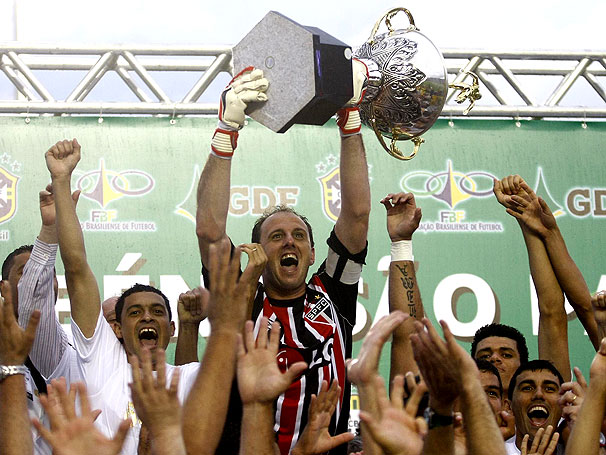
x=534, y=400
x=142, y=313
x=316, y=315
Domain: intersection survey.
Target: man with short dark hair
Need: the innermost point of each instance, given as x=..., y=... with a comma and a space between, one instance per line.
x=534, y=393
x=503, y=346
x=317, y=316
x=145, y=316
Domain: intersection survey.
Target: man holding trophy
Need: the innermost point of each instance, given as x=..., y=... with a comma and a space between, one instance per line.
x=316, y=316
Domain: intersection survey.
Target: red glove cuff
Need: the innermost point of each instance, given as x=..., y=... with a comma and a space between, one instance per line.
x=224, y=143
x=348, y=120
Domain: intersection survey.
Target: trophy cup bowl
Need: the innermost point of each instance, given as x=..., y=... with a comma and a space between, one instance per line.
x=310, y=78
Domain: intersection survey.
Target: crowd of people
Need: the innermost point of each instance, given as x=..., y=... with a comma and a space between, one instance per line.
x=276, y=373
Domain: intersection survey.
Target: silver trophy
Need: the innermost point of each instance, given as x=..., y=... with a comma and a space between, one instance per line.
x=310, y=78
x=408, y=84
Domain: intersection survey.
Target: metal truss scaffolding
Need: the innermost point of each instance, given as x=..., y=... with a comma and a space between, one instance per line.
x=538, y=84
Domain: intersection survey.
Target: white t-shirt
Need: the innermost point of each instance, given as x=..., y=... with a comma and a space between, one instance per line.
x=510, y=446
x=104, y=366
x=511, y=449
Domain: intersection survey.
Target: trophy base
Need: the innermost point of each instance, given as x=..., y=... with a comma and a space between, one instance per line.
x=309, y=72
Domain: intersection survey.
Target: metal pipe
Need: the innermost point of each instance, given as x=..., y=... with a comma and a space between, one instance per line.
x=22, y=88
x=217, y=66
x=92, y=74
x=37, y=86
x=145, y=77
x=138, y=91
x=509, y=77
x=593, y=81
x=567, y=82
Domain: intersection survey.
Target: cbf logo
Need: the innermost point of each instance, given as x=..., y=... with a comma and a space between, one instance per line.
x=8, y=190
x=449, y=186
x=331, y=186
x=104, y=186
x=452, y=187
x=330, y=181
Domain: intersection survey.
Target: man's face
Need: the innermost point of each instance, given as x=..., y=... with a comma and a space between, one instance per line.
x=285, y=239
x=145, y=323
x=490, y=384
x=502, y=353
x=535, y=402
x=9, y=283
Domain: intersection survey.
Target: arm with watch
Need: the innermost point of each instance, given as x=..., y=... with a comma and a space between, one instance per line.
x=15, y=344
x=450, y=373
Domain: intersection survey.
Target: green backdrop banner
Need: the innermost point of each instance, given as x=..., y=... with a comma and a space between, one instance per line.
x=138, y=178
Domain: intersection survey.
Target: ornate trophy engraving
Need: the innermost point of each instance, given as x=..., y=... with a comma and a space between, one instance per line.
x=408, y=84
x=310, y=78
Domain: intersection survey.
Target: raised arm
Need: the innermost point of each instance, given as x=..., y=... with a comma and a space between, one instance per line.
x=36, y=291
x=585, y=435
x=403, y=219
x=362, y=370
x=157, y=406
x=352, y=225
x=214, y=186
x=568, y=274
x=260, y=383
x=61, y=160
x=15, y=343
x=205, y=409
x=192, y=309
x=483, y=434
x=553, y=322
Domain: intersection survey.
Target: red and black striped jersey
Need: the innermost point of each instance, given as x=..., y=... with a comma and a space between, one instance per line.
x=317, y=329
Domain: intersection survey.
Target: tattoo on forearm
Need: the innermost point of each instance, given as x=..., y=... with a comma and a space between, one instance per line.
x=408, y=284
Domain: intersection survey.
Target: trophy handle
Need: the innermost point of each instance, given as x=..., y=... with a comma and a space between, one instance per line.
x=388, y=16
x=468, y=92
x=393, y=150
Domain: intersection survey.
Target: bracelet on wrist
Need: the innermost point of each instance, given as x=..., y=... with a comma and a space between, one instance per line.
x=11, y=370
x=402, y=251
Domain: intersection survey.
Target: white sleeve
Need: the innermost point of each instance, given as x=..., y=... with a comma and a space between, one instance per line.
x=98, y=356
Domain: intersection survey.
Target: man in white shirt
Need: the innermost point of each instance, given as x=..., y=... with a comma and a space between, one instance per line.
x=534, y=393
x=144, y=316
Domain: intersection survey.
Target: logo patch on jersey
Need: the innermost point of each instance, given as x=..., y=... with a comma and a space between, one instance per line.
x=317, y=309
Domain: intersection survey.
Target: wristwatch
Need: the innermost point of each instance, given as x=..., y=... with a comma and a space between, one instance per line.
x=435, y=420
x=10, y=370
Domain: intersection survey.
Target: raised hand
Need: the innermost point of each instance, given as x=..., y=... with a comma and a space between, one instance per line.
x=535, y=214
x=598, y=303
x=440, y=364
x=257, y=259
x=192, y=306
x=315, y=437
x=47, y=205
x=403, y=216
x=395, y=427
x=598, y=366
x=246, y=87
x=62, y=158
x=157, y=406
x=363, y=369
x=572, y=395
x=74, y=435
x=15, y=342
x=505, y=188
x=259, y=377
x=229, y=290
x=544, y=442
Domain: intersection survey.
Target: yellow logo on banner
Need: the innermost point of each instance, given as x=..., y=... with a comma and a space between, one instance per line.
x=8, y=195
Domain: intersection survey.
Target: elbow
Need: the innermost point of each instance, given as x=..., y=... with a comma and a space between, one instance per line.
x=208, y=233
